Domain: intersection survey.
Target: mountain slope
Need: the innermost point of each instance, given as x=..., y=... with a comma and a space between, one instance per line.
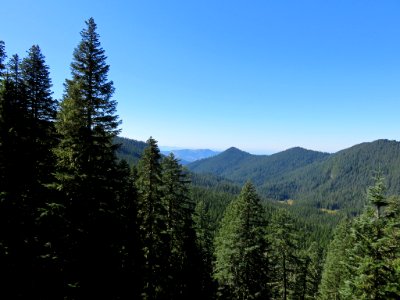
x=331, y=181
x=340, y=181
x=222, y=164
x=129, y=150
x=240, y=166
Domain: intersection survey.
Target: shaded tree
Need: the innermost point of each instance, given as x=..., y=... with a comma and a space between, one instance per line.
x=241, y=267
x=375, y=254
x=152, y=217
x=16, y=218
x=204, y=241
x=285, y=249
x=184, y=262
x=335, y=270
x=86, y=163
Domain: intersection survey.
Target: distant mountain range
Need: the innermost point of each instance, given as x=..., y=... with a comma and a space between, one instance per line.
x=190, y=155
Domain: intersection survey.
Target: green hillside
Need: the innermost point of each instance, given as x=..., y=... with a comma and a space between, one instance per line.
x=326, y=181
x=241, y=166
x=340, y=181
x=221, y=164
x=129, y=150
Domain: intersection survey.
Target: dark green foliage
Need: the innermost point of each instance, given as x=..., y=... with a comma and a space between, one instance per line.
x=204, y=241
x=41, y=112
x=216, y=193
x=13, y=209
x=86, y=168
x=339, y=181
x=152, y=217
x=284, y=237
x=220, y=164
x=241, y=267
x=240, y=166
x=27, y=138
x=314, y=179
x=334, y=271
x=376, y=194
x=363, y=259
x=37, y=82
x=16, y=206
x=375, y=254
x=314, y=259
x=129, y=150
x=182, y=269
x=173, y=266
x=127, y=241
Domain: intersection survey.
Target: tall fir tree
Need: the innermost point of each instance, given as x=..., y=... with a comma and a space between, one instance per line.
x=184, y=260
x=315, y=256
x=204, y=241
x=375, y=254
x=86, y=165
x=364, y=257
x=284, y=239
x=127, y=233
x=152, y=218
x=16, y=206
x=241, y=267
x=39, y=127
x=335, y=270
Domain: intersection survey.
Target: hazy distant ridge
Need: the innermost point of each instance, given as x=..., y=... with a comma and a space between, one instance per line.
x=190, y=155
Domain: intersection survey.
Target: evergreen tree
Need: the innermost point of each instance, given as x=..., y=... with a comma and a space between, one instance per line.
x=314, y=271
x=86, y=165
x=241, y=267
x=335, y=270
x=284, y=239
x=375, y=255
x=16, y=218
x=204, y=241
x=36, y=77
x=152, y=217
x=308, y=272
x=38, y=139
x=183, y=260
x=363, y=259
x=376, y=194
x=127, y=233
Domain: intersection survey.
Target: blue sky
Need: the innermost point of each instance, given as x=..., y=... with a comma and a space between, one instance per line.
x=262, y=76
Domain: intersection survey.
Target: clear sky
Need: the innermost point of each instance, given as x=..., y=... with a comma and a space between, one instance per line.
x=260, y=75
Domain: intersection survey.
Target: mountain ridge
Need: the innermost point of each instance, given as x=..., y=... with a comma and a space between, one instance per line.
x=336, y=181
x=240, y=166
x=187, y=156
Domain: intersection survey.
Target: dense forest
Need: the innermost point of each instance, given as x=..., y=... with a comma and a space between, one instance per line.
x=85, y=214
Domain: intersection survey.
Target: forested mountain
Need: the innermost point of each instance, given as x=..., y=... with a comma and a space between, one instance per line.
x=220, y=164
x=241, y=166
x=129, y=150
x=331, y=181
x=340, y=181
